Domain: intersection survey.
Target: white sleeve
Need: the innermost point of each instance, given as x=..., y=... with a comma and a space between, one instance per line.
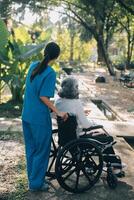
x=81, y=117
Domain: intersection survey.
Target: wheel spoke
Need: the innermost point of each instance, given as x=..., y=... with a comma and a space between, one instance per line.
x=94, y=163
x=89, y=158
x=67, y=165
x=77, y=179
x=69, y=174
x=86, y=175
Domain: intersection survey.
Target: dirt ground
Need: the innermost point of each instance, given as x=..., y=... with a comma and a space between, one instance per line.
x=11, y=163
x=119, y=97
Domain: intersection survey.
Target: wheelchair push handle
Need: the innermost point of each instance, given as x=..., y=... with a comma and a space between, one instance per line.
x=59, y=118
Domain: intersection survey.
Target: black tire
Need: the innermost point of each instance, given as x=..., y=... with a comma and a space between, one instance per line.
x=79, y=165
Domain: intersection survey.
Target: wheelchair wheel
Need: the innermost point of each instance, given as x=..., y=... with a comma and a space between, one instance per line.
x=79, y=165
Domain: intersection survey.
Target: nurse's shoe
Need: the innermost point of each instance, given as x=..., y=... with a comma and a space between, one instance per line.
x=44, y=188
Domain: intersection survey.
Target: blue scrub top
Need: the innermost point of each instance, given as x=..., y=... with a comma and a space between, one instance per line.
x=34, y=110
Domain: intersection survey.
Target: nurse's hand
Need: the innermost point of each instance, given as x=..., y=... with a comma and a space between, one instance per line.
x=63, y=115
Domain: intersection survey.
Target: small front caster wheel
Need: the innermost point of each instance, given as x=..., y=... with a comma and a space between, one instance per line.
x=112, y=180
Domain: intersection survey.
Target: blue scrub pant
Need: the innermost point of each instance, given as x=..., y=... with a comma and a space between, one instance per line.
x=37, y=147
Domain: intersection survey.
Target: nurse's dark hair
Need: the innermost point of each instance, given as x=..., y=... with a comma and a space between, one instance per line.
x=51, y=52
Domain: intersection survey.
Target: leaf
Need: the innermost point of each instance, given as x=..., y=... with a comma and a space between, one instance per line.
x=3, y=34
x=5, y=62
x=34, y=50
x=21, y=34
x=6, y=78
x=15, y=81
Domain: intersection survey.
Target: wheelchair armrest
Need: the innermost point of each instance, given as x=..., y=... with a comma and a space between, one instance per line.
x=54, y=131
x=92, y=128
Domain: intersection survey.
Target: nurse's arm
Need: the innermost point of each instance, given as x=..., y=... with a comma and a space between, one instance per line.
x=47, y=102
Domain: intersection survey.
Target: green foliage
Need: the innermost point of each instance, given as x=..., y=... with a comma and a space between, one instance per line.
x=85, y=35
x=45, y=35
x=82, y=50
x=3, y=35
x=21, y=35
x=5, y=8
x=100, y=20
x=15, y=57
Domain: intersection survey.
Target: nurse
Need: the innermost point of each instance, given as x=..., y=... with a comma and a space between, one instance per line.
x=36, y=120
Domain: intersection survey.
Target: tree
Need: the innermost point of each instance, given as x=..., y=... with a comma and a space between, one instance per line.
x=126, y=25
x=93, y=16
x=97, y=17
x=72, y=27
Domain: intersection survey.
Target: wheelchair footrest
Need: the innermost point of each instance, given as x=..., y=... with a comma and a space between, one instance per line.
x=114, y=160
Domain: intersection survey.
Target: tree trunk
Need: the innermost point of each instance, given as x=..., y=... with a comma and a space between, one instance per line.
x=128, y=54
x=71, y=48
x=100, y=52
x=129, y=50
x=105, y=56
x=103, y=53
x=16, y=94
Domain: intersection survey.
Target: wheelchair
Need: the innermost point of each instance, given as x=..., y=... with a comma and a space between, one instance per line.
x=78, y=163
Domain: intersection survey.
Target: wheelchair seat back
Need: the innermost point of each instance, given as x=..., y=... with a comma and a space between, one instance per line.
x=66, y=129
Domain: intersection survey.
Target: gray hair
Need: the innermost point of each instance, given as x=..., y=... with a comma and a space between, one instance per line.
x=69, y=89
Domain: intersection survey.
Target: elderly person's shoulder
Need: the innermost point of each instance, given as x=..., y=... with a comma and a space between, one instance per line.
x=61, y=100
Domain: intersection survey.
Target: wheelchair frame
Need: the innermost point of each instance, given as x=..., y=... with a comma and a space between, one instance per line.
x=78, y=165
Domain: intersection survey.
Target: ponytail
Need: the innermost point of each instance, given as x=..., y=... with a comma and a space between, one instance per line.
x=40, y=67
